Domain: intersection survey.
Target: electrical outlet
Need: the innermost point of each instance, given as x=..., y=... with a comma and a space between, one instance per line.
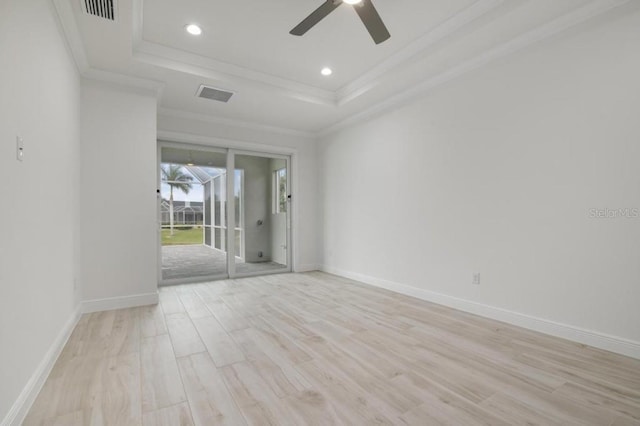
x=476, y=278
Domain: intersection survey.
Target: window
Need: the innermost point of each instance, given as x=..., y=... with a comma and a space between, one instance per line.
x=280, y=193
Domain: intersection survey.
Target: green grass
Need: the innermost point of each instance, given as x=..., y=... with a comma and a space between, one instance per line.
x=182, y=236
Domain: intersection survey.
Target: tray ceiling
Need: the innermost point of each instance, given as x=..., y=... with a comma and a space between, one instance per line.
x=246, y=48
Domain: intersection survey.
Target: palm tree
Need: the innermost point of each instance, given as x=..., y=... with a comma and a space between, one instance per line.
x=173, y=176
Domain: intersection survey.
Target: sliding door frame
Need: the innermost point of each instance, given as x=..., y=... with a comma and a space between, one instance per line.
x=184, y=146
x=231, y=149
x=231, y=240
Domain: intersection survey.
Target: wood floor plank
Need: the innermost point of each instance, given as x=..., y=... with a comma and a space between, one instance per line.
x=161, y=381
x=77, y=418
x=354, y=404
x=170, y=302
x=319, y=349
x=120, y=400
x=209, y=399
x=277, y=345
x=221, y=347
x=193, y=303
x=176, y=415
x=280, y=375
x=258, y=404
x=582, y=377
x=184, y=336
x=70, y=388
x=596, y=368
x=593, y=398
x=103, y=390
x=543, y=405
x=227, y=317
x=312, y=407
x=352, y=373
x=152, y=321
x=624, y=421
x=501, y=368
x=78, y=339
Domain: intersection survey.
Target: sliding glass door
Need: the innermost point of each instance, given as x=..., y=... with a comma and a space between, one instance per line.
x=215, y=224
x=263, y=216
x=193, y=206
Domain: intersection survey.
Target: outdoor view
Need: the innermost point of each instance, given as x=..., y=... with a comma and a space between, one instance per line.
x=183, y=201
x=194, y=220
x=182, y=197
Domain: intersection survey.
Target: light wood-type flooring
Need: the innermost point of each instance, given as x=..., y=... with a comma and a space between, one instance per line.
x=316, y=349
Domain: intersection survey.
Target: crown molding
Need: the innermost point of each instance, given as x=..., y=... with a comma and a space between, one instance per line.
x=188, y=63
x=186, y=115
x=450, y=26
x=71, y=32
x=143, y=84
x=552, y=28
x=179, y=139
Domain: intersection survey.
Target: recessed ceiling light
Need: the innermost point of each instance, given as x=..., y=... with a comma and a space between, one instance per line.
x=193, y=29
x=326, y=71
x=352, y=1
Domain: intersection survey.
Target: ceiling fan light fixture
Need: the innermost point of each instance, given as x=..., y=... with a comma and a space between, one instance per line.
x=365, y=10
x=193, y=29
x=326, y=71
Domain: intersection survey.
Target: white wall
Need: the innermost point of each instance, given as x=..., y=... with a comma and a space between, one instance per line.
x=39, y=100
x=496, y=173
x=305, y=177
x=118, y=195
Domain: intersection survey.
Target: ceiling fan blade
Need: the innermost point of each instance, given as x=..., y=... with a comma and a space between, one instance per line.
x=370, y=18
x=316, y=16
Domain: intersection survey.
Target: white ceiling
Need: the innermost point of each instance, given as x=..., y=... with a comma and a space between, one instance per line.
x=246, y=48
x=254, y=34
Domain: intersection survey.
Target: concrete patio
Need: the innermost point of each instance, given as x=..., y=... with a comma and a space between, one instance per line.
x=189, y=261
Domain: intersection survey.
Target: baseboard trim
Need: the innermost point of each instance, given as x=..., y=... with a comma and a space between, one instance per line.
x=607, y=342
x=25, y=400
x=111, y=303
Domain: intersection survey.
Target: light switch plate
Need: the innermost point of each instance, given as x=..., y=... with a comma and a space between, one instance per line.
x=476, y=278
x=19, y=148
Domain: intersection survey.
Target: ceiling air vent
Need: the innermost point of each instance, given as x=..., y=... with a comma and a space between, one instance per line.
x=105, y=9
x=213, y=93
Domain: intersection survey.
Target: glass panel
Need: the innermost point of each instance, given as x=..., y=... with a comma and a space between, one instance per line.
x=238, y=198
x=207, y=203
x=217, y=191
x=260, y=192
x=217, y=232
x=281, y=190
x=207, y=236
x=189, y=203
x=238, y=248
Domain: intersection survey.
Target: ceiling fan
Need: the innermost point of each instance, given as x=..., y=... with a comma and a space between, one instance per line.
x=364, y=9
